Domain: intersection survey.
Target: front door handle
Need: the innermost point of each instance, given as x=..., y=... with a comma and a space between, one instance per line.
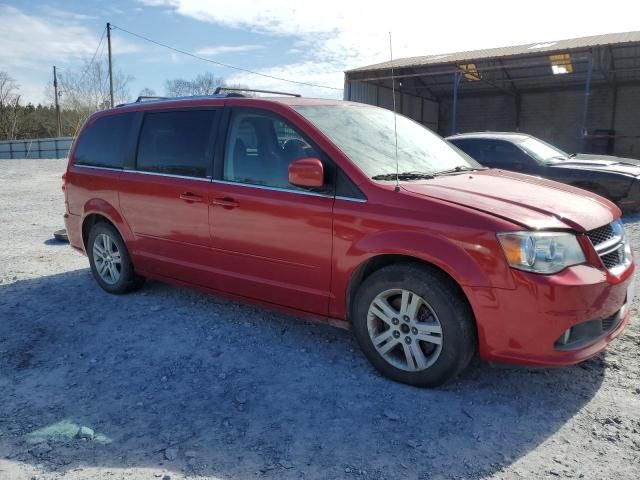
x=225, y=202
x=190, y=197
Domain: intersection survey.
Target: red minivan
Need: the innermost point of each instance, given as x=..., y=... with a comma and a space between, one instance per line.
x=310, y=206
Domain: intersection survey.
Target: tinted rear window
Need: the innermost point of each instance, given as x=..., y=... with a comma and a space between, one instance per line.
x=177, y=143
x=104, y=142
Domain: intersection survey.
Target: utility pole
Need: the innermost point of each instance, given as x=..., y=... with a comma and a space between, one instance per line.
x=15, y=119
x=110, y=67
x=55, y=92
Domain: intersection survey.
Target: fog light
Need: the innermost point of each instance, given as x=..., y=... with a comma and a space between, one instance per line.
x=564, y=339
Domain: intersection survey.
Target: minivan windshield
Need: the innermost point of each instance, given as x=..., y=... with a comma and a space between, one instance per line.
x=366, y=135
x=542, y=151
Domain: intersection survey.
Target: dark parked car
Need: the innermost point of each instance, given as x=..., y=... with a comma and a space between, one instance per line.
x=611, y=177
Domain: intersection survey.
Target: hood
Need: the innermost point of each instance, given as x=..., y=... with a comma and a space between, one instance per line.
x=606, y=158
x=532, y=202
x=600, y=163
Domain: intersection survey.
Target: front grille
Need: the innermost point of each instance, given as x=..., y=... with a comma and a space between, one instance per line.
x=613, y=259
x=609, y=243
x=600, y=235
x=609, y=323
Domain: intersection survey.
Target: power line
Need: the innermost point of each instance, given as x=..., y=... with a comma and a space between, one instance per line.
x=94, y=53
x=86, y=71
x=93, y=57
x=273, y=77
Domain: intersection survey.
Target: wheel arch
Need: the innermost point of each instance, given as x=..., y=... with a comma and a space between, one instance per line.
x=377, y=262
x=98, y=210
x=89, y=221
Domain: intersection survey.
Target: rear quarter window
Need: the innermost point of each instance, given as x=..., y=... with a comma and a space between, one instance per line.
x=177, y=142
x=104, y=142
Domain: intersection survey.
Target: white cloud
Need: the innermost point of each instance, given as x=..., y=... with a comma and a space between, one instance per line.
x=343, y=34
x=65, y=14
x=30, y=41
x=32, y=44
x=310, y=72
x=221, y=49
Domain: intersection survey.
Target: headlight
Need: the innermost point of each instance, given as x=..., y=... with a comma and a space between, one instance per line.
x=541, y=252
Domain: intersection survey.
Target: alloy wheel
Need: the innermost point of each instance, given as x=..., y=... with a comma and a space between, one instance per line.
x=405, y=330
x=107, y=259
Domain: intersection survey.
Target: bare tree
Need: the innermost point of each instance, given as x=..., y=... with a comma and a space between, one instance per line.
x=147, y=92
x=203, y=84
x=9, y=99
x=87, y=90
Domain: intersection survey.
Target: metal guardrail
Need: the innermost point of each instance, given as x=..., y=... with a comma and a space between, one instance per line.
x=36, y=148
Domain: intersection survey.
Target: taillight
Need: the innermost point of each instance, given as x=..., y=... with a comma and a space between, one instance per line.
x=64, y=180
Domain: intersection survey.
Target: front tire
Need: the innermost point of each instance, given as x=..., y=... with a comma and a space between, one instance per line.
x=413, y=325
x=109, y=259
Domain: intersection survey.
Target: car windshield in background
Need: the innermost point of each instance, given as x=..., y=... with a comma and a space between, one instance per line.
x=366, y=136
x=542, y=151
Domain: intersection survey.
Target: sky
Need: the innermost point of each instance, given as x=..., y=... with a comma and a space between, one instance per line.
x=306, y=41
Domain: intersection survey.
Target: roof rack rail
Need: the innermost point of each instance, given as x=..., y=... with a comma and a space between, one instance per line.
x=230, y=89
x=142, y=98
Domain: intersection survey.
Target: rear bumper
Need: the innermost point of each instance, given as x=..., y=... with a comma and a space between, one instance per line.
x=525, y=325
x=73, y=224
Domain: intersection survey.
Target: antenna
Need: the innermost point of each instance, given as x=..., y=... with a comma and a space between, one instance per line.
x=395, y=124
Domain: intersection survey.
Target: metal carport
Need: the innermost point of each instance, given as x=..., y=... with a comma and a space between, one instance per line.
x=581, y=94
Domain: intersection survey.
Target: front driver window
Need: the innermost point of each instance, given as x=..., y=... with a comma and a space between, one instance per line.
x=260, y=148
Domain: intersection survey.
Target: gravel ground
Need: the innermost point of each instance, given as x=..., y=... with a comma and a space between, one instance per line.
x=171, y=383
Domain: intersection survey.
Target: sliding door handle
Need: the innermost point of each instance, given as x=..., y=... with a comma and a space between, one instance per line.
x=225, y=202
x=190, y=197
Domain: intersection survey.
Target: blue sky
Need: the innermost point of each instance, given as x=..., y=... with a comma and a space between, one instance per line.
x=305, y=41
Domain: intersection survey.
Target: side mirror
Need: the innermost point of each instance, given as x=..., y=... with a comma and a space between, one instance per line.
x=306, y=172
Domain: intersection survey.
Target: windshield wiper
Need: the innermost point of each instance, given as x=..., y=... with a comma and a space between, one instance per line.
x=403, y=176
x=459, y=169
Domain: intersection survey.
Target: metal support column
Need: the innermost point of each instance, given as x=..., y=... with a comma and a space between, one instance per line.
x=518, y=104
x=585, y=106
x=457, y=76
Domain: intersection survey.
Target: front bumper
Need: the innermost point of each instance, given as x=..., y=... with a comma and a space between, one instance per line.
x=527, y=325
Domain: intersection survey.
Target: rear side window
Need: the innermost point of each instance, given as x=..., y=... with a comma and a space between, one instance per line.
x=177, y=143
x=104, y=142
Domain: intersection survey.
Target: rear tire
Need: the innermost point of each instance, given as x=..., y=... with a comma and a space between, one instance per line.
x=413, y=324
x=109, y=259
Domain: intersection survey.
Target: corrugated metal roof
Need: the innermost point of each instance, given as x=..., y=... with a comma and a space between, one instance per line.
x=500, y=52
